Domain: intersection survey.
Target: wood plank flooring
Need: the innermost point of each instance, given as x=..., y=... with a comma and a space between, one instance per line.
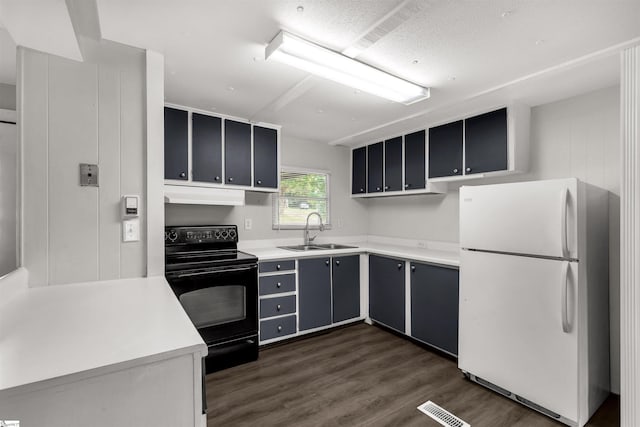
x=361, y=375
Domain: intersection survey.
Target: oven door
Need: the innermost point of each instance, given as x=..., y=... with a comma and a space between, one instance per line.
x=222, y=302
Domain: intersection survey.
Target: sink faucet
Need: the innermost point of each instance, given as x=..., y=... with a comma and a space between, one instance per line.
x=307, y=239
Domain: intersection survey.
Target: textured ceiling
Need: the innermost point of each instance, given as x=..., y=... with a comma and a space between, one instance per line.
x=214, y=54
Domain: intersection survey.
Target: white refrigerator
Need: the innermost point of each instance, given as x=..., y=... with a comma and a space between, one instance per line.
x=534, y=295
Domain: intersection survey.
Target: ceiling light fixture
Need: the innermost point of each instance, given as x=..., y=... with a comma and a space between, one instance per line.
x=323, y=62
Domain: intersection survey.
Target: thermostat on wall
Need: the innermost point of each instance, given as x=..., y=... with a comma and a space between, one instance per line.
x=130, y=206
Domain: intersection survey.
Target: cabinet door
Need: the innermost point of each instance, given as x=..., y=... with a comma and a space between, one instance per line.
x=176, y=149
x=359, y=170
x=206, y=146
x=265, y=157
x=414, y=160
x=375, y=164
x=346, y=287
x=237, y=153
x=485, y=142
x=445, y=150
x=386, y=291
x=434, y=306
x=393, y=164
x=314, y=293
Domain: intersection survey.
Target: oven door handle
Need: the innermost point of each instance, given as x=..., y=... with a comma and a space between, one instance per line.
x=212, y=272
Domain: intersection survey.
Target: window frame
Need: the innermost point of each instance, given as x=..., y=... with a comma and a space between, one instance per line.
x=275, y=220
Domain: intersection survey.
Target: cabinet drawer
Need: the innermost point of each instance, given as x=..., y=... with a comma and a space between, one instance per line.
x=270, y=307
x=275, y=328
x=271, y=266
x=277, y=284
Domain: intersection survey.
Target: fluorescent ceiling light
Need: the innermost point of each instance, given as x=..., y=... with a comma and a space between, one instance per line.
x=310, y=57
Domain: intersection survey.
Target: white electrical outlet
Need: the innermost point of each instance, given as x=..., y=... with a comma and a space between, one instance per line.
x=248, y=223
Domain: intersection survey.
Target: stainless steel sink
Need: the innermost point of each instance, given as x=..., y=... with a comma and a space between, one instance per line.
x=334, y=246
x=318, y=247
x=300, y=248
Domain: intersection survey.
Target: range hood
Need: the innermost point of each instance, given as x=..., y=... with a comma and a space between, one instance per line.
x=189, y=195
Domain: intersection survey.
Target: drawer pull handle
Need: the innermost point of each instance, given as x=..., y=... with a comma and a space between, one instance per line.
x=278, y=285
x=413, y=268
x=455, y=170
x=399, y=265
x=183, y=175
x=279, y=328
x=278, y=307
x=259, y=181
x=278, y=267
x=386, y=187
x=377, y=188
x=326, y=262
x=362, y=190
x=337, y=262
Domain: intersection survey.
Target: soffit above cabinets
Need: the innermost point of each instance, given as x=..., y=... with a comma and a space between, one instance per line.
x=514, y=50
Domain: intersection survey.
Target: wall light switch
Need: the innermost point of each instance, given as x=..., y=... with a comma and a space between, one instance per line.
x=248, y=223
x=131, y=230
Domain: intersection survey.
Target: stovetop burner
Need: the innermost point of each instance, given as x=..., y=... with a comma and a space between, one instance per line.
x=192, y=247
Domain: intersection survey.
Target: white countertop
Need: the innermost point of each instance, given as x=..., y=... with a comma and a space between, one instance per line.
x=63, y=331
x=437, y=253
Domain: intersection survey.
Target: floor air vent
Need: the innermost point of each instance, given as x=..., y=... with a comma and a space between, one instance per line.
x=442, y=416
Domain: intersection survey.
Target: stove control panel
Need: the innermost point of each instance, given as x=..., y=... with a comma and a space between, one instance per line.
x=202, y=234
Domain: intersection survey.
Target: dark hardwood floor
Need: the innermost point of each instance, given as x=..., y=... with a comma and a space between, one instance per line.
x=361, y=375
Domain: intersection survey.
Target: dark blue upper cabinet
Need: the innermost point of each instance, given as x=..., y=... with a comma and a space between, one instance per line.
x=265, y=157
x=176, y=145
x=359, y=170
x=445, y=150
x=206, y=142
x=237, y=153
x=393, y=164
x=486, y=142
x=414, y=160
x=375, y=161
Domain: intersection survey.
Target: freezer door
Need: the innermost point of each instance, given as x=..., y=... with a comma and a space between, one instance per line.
x=537, y=218
x=514, y=330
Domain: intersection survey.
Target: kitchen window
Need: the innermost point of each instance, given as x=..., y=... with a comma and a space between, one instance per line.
x=302, y=191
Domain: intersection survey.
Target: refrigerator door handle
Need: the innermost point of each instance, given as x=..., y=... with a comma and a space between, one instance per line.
x=563, y=223
x=563, y=298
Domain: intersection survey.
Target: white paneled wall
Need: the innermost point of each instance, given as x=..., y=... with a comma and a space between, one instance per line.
x=576, y=137
x=72, y=113
x=630, y=142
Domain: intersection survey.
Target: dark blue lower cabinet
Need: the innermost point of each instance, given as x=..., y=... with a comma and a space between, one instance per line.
x=346, y=287
x=387, y=291
x=314, y=293
x=278, y=327
x=434, y=306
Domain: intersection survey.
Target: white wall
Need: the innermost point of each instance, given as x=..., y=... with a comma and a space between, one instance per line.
x=8, y=197
x=72, y=113
x=7, y=96
x=576, y=137
x=351, y=213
